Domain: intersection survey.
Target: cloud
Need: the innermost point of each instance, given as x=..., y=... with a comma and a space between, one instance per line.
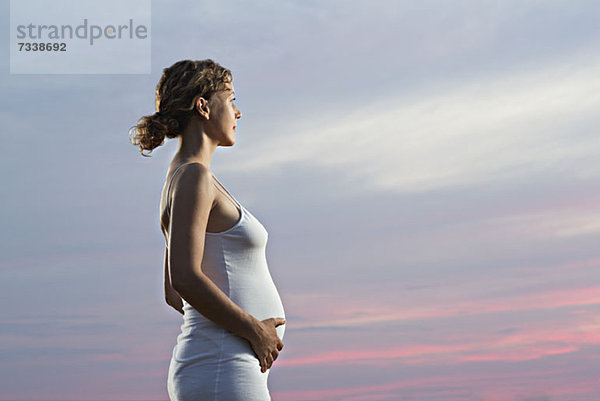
x=530, y=345
x=452, y=386
x=378, y=312
x=499, y=128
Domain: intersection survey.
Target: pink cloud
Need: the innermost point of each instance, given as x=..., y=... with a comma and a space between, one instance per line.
x=518, y=354
x=531, y=342
x=489, y=386
x=366, y=355
x=345, y=315
x=106, y=357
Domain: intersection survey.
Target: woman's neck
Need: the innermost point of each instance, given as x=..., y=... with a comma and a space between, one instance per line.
x=195, y=145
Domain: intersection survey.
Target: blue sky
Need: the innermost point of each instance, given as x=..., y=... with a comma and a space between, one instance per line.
x=427, y=172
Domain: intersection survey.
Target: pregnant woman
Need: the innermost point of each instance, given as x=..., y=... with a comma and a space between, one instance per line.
x=215, y=267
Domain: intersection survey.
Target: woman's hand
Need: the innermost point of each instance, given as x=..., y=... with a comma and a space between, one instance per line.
x=265, y=343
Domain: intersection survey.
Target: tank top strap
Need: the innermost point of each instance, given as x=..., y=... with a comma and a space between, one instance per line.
x=216, y=179
x=232, y=197
x=169, y=187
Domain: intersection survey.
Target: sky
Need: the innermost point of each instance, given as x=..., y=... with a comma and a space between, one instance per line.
x=427, y=171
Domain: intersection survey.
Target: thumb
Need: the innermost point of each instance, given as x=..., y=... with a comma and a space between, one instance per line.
x=279, y=321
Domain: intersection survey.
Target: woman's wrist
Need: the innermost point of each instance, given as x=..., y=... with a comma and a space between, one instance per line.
x=250, y=328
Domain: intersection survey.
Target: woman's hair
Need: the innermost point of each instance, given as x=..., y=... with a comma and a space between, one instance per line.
x=177, y=91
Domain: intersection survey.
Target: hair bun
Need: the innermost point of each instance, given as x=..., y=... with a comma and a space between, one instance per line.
x=172, y=125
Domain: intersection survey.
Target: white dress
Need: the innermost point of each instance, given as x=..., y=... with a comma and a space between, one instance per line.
x=208, y=362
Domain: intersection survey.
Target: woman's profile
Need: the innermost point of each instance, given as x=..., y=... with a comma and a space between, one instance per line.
x=215, y=268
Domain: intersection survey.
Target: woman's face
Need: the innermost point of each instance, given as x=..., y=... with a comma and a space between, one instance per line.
x=223, y=115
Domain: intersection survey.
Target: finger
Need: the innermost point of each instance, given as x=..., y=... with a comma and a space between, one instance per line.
x=275, y=354
x=280, y=345
x=279, y=321
x=269, y=361
x=263, y=365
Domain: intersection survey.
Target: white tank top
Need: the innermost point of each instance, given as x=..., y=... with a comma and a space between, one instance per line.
x=235, y=260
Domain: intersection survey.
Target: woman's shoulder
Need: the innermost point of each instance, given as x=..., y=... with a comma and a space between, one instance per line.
x=189, y=175
x=189, y=167
x=188, y=183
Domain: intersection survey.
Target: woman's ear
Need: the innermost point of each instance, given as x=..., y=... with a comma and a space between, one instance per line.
x=202, y=107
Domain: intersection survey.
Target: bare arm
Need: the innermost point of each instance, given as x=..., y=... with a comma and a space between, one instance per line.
x=192, y=200
x=171, y=296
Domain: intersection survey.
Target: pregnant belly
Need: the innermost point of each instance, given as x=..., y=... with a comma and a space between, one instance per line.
x=259, y=297
x=254, y=294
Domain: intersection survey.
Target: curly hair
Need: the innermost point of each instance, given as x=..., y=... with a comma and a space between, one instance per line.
x=177, y=91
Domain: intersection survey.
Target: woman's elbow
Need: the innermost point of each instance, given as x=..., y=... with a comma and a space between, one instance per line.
x=178, y=286
x=182, y=284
